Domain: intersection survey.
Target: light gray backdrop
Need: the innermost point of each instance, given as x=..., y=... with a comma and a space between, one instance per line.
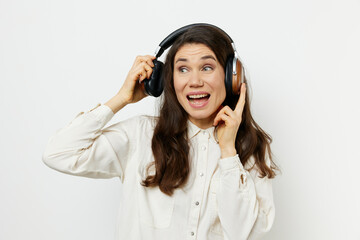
x=58, y=58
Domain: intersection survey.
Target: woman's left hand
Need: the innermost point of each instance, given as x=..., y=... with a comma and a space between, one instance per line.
x=228, y=122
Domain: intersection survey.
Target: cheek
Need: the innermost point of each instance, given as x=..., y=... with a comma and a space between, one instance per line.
x=221, y=96
x=220, y=89
x=178, y=87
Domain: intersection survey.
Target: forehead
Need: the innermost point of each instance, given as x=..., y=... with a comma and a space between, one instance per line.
x=193, y=50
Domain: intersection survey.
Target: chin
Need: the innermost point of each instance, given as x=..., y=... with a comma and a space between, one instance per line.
x=199, y=115
x=206, y=113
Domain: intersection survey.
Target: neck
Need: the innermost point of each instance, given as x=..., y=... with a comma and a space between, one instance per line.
x=203, y=123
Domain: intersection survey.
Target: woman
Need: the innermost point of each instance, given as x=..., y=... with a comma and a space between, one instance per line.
x=201, y=170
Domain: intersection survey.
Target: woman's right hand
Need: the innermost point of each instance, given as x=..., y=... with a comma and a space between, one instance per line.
x=131, y=91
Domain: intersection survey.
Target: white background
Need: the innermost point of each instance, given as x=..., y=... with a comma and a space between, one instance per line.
x=58, y=58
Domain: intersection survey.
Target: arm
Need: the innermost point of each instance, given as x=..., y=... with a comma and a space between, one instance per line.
x=82, y=148
x=266, y=215
x=245, y=201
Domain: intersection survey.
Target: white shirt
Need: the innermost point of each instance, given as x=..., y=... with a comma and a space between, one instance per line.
x=221, y=200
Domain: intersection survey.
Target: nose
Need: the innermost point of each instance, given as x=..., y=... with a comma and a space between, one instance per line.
x=195, y=80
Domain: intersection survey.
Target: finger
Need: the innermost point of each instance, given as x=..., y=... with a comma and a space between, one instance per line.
x=225, y=118
x=241, y=102
x=147, y=58
x=150, y=63
x=141, y=74
x=220, y=113
x=217, y=117
x=150, y=56
x=226, y=110
x=217, y=112
x=148, y=70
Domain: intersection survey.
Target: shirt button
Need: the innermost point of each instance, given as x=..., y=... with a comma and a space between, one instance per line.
x=203, y=148
x=197, y=203
x=192, y=233
x=201, y=174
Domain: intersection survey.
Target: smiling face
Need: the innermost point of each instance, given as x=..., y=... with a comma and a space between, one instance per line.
x=199, y=83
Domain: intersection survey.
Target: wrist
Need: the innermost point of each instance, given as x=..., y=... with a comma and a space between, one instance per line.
x=116, y=103
x=228, y=152
x=122, y=98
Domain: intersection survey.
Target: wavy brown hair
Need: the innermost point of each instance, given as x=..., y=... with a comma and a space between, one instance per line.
x=170, y=144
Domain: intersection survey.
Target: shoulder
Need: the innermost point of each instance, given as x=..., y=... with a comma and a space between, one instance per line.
x=135, y=126
x=147, y=121
x=143, y=123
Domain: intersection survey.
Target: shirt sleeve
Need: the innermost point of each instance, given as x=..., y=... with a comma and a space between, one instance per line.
x=245, y=201
x=84, y=148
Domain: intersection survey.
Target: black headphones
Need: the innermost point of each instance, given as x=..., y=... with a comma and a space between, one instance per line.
x=234, y=71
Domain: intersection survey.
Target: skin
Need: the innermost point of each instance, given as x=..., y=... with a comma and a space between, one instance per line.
x=196, y=68
x=131, y=92
x=192, y=73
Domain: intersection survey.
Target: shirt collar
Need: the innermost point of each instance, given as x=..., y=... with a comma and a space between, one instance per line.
x=194, y=130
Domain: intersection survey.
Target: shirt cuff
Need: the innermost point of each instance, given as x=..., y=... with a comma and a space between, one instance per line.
x=101, y=113
x=230, y=163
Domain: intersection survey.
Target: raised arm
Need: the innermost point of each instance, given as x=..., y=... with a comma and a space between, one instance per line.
x=245, y=201
x=131, y=91
x=84, y=148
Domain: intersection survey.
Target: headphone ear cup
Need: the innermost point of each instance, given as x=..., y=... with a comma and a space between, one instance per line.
x=233, y=81
x=238, y=78
x=154, y=86
x=229, y=76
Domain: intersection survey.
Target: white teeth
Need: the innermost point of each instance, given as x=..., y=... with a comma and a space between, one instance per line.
x=198, y=96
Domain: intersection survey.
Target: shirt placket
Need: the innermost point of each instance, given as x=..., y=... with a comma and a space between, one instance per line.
x=199, y=184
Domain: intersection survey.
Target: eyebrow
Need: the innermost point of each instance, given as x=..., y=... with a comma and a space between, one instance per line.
x=202, y=58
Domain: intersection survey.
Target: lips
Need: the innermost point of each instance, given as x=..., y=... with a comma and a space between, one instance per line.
x=198, y=99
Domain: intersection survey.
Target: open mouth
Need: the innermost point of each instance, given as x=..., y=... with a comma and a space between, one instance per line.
x=198, y=99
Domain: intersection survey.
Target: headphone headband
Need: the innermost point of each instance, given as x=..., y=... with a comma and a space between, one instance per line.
x=170, y=39
x=234, y=70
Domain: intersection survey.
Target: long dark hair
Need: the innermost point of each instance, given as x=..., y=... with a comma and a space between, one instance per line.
x=170, y=143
